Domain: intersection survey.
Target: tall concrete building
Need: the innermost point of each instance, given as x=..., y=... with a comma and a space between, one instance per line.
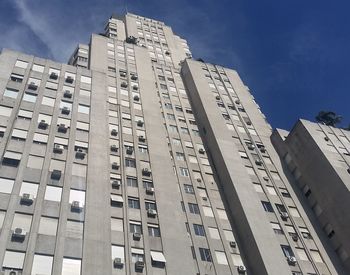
x=137, y=159
x=318, y=159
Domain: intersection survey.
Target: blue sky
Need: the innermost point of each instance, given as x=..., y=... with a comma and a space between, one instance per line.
x=294, y=55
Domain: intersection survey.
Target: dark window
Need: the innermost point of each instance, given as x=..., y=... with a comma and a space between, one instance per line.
x=130, y=163
x=199, y=229
x=133, y=203
x=205, y=254
x=153, y=231
x=150, y=205
x=131, y=182
x=135, y=228
x=188, y=189
x=194, y=209
x=267, y=206
x=287, y=251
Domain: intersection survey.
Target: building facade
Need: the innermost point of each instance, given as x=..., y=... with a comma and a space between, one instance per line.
x=318, y=158
x=137, y=159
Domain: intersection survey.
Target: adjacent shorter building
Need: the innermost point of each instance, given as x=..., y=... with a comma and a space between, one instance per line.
x=318, y=158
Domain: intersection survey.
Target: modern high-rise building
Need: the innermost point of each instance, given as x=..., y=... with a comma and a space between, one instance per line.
x=137, y=159
x=318, y=158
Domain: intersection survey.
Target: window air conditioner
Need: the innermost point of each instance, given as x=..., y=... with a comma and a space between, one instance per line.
x=291, y=260
x=43, y=124
x=114, y=132
x=151, y=212
x=67, y=94
x=136, y=98
x=118, y=263
x=142, y=138
x=140, y=123
x=241, y=269
x=284, y=215
x=139, y=265
x=69, y=79
x=114, y=148
x=146, y=172
x=62, y=128
x=136, y=236
x=76, y=206
x=201, y=151
x=233, y=244
x=57, y=148
x=19, y=233
x=32, y=86
x=115, y=184
x=115, y=166
x=27, y=198
x=65, y=110
x=150, y=190
x=56, y=174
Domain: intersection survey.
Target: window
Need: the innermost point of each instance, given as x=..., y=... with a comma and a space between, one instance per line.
x=142, y=149
x=74, y=229
x=147, y=184
x=150, y=205
x=176, y=142
x=172, y=128
x=23, y=221
x=19, y=134
x=42, y=264
x=85, y=79
x=301, y=254
x=17, y=78
x=133, y=203
x=48, y=226
x=132, y=182
x=84, y=109
x=29, y=188
x=294, y=212
x=117, y=224
x=188, y=189
x=287, y=251
x=221, y=257
x=316, y=256
x=53, y=193
x=21, y=64
x=13, y=260
x=267, y=206
x=130, y=163
x=199, y=229
x=153, y=230
x=29, y=97
x=12, y=93
x=205, y=254
x=208, y=211
x=276, y=228
x=180, y=156
x=222, y=214
x=48, y=101
x=193, y=207
x=118, y=252
x=71, y=266
x=184, y=130
x=35, y=162
x=135, y=227
x=184, y=172
x=6, y=185
x=38, y=68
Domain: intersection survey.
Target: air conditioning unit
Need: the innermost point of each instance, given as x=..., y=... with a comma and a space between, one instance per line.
x=76, y=206
x=150, y=190
x=262, y=149
x=217, y=97
x=32, y=86
x=136, y=98
x=140, y=123
x=129, y=150
x=80, y=154
x=248, y=122
x=291, y=260
x=258, y=162
x=136, y=236
x=122, y=74
x=53, y=76
x=114, y=132
x=43, y=124
x=19, y=233
x=142, y=138
x=201, y=151
x=124, y=85
x=199, y=180
x=139, y=265
x=56, y=174
x=241, y=269
x=151, y=213
x=67, y=94
x=69, y=79
x=118, y=263
x=135, y=87
x=146, y=172
x=238, y=101
x=57, y=148
x=284, y=215
x=295, y=237
x=133, y=77
x=65, y=110
x=233, y=244
x=27, y=198
x=251, y=146
x=115, y=166
x=62, y=128
x=115, y=184
x=326, y=138
x=114, y=148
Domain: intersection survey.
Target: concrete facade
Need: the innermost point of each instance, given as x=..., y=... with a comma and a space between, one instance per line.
x=317, y=157
x=136, y=159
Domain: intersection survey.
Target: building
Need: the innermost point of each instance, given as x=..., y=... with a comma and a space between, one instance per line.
x=138, y=159
x=318, y=158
